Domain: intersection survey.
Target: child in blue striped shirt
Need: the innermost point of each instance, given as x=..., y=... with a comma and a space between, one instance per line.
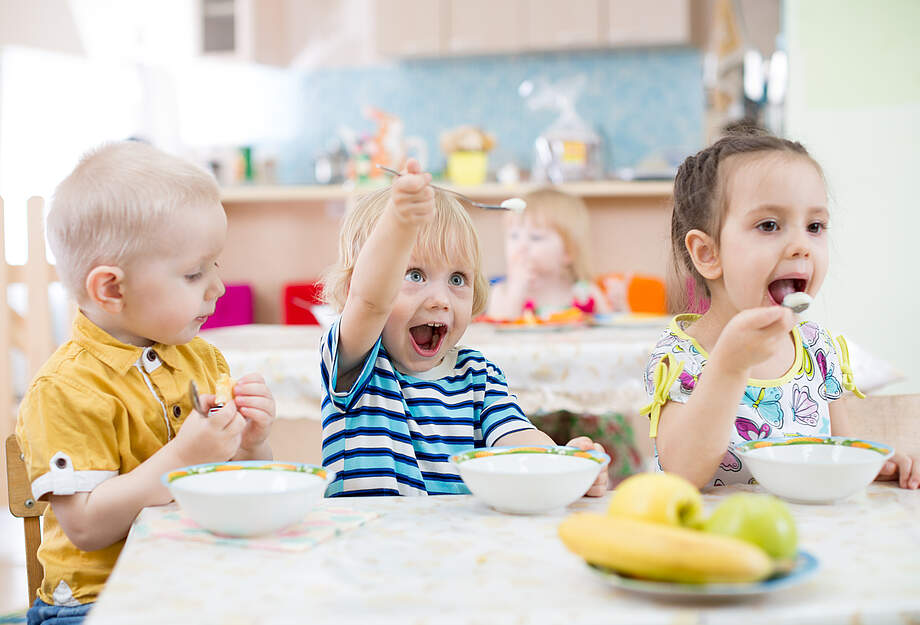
x=401, y=396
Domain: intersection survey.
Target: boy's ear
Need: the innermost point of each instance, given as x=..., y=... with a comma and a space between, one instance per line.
x=704, y=253
x=104, y=287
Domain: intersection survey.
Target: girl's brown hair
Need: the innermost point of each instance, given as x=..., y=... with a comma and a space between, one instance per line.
x=701, y=200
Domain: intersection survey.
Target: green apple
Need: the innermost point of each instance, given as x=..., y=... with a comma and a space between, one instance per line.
x=760, y=519
x=658, y=498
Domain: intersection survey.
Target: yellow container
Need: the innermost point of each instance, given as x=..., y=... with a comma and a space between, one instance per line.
x=467, y=168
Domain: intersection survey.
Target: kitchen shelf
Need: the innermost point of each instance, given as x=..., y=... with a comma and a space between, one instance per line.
x=321, y=193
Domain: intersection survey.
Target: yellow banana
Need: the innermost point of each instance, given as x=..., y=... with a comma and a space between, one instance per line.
x=663, y=552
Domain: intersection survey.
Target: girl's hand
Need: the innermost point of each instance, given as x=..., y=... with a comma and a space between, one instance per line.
x=599, y=487
x=255, y=402
x=901, y=467
x=751, y=337
x=411, y=198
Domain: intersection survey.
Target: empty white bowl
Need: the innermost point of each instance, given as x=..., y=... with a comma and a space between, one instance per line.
x=529, y=480
x=814, y=469
x=247, y=498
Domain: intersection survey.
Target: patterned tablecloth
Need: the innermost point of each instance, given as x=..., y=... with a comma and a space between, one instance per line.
x=584, y=370
x=451, y=560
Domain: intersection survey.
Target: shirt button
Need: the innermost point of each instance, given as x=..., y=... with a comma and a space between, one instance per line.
x=151, y=355
x=177, y=411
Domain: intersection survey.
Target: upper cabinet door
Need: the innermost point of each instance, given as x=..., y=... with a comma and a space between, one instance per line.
x=648, y=22
x=559, y=25
x=487, y=26
x=411, y=27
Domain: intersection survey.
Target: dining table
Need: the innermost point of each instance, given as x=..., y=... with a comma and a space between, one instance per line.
x=452, y=559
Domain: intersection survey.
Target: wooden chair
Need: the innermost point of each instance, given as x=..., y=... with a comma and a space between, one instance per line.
x=23, y=506
x=32, y=335
x=890, y=419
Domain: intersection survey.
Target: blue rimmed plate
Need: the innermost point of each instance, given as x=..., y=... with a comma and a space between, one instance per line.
x=806, y=565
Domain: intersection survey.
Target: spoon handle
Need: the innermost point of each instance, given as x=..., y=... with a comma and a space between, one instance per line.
x=451, y=191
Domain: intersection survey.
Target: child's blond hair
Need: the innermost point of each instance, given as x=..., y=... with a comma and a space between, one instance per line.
x=450, y=234
x=567, y=215
x=109, y=209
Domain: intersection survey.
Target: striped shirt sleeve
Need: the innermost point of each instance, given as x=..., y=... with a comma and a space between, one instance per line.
x=500, y=414
x=342, y=400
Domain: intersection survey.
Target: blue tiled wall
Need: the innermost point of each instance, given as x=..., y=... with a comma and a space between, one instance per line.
x=640, y=101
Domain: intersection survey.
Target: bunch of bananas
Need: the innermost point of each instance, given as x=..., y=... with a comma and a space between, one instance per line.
x=654, y=530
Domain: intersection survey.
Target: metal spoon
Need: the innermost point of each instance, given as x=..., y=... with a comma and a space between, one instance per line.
x=196, y=403
x=515, y=205
x=797, y=302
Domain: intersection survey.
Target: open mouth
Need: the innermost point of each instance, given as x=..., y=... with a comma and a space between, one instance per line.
x=427, y=338
x=779, y=289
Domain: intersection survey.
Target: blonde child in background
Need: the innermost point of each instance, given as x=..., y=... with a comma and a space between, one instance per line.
x=136, y=234
x=750, y=226
x=547, y=259
x=401, y=396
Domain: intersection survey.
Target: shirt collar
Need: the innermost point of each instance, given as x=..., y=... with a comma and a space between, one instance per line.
x=117, y=355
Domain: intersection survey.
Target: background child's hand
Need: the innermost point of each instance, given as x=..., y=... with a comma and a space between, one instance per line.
x=751, y=337
x=901, y=467
x=411, y=197
x=256, y=403
x=599, y=487
x=212, y=438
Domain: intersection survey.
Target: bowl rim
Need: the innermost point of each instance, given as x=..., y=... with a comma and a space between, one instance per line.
x=747, y=448
x=556, y=450
x=170, y=477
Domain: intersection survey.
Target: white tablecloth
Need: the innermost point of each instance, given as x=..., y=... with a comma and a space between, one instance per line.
x=583, y=370
x=451, y=559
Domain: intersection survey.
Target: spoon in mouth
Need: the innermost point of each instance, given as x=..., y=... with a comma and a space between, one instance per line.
x=798, y=302
x=514, y=204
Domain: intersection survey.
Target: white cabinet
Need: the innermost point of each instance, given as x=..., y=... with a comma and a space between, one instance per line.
x=573, y=24
x=407, y=28
x=649, y=22
x=486, y=26
x=247, y=30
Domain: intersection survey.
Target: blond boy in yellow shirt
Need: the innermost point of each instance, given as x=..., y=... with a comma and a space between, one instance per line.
x=136, y=234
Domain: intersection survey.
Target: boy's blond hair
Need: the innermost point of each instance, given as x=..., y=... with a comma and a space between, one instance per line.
x=568, y=215
x=109, y=209
x=450, y=234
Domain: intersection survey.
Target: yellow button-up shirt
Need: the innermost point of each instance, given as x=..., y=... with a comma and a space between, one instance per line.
x=96, y=409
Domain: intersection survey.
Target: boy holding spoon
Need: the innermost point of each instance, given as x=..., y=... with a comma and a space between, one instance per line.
x=136, y=234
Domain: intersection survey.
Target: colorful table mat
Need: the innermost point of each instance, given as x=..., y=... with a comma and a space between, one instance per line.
x=320, y=524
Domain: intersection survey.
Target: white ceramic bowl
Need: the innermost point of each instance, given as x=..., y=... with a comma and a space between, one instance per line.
x=247, y=498
x=814, y=469
x=529, y=480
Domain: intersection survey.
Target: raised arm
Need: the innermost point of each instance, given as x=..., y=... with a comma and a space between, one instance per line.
x=693, y=437
x=381, y=267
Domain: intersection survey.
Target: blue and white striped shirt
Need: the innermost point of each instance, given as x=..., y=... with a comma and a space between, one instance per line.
x=392, y=433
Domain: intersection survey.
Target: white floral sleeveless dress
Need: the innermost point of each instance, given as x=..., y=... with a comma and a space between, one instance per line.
x=795, y=404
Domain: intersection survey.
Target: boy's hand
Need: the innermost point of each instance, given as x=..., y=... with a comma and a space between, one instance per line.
x=255, y=402
x=751, y=337
x=411, y=198
x=599, y=487
x=212, y=438
x=901, y=467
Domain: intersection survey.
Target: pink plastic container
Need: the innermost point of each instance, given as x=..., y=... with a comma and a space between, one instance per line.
x=233, y=309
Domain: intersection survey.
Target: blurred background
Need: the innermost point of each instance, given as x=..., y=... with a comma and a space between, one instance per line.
x=291, y=102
